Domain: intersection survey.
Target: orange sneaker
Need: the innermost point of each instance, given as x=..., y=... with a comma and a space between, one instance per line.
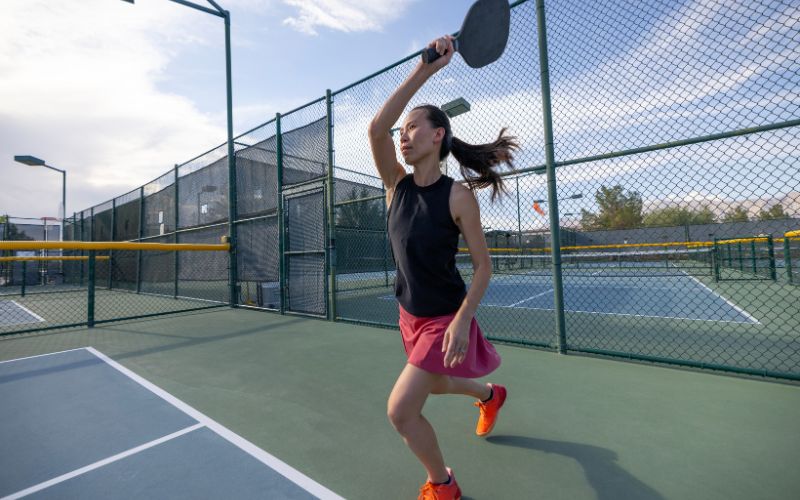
x=430, y=491
x=490, y=409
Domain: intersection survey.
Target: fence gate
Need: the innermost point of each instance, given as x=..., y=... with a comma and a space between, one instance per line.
x=304, y=249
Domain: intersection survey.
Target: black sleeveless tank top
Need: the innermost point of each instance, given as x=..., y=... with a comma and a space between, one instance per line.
x=424, y=243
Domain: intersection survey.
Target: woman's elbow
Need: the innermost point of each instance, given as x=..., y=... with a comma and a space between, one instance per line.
x=484, y=265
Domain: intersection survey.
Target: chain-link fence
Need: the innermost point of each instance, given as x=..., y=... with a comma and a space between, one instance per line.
x=98, y=283
x=659, y=229
x=675, y=142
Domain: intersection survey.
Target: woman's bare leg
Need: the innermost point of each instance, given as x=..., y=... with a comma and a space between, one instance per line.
x=459, y=385
x=405, y=412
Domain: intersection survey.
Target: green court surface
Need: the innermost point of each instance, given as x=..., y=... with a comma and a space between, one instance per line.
x=313, y=394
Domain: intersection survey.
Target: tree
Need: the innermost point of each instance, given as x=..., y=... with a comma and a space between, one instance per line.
x=679, y=216
x=773, y=212
x=738, y=214
x=14, y=234
x=618, y=209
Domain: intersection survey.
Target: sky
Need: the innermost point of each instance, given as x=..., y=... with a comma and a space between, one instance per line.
x=117, y=94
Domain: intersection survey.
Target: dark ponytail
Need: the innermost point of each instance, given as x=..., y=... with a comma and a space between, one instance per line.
x=475, y=159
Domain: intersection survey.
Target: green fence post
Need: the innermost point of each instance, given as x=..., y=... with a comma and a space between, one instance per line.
x=787, y=257
x=175, y=234
x=113, y=238
x=330, y=254
x=729, y=256
x=9, y=269
x=519, y=220
x=24, y=276
x=233, y=274
x=90, y=299
x=753, y=255
x=385, y=239
x=550, y=162
x=773, y=275
x=715, y=260
x=494, y=247
x=281, y=225
x=141, y=235
x=741, y=256
x=83, y=252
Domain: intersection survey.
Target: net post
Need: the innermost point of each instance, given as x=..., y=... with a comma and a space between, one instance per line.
x=773, y=275
x=281, y=222
x=715, y=259
x=113, y=238
x=90, y=299
x=787, y=257
x=175, y=234
x=330, y=254
x=24, y=277
x=141, y=235
x=547, y=114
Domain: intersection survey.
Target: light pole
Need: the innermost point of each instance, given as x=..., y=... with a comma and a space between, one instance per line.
x=226, y=16
x=456, y=107
x=36, y=162
x=577, y=196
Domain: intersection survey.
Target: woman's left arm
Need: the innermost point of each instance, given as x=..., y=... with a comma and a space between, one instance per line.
x=466, y=214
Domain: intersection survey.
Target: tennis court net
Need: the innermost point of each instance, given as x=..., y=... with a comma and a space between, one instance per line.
x=674, y=262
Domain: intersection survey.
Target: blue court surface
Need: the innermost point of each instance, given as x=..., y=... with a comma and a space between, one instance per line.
x=76, y=424
x=14, y=313
x=671, y=297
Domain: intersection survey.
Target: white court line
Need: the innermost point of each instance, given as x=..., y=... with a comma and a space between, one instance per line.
x=726, y=300
x=621, y=314
x=271, y=461
x=100, y=463
x=27, y=310
x=529, y=298
x=40, y=355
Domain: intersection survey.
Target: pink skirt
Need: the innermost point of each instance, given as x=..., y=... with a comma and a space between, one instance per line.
x=423, y=337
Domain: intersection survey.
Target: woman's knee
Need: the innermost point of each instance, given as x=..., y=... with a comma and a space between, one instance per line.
x=400, y=418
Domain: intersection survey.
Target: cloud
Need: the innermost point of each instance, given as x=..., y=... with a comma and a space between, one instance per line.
x=79, y=86
x=344, y=15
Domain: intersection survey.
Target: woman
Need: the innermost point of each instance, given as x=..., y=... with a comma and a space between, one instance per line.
x=427, y=211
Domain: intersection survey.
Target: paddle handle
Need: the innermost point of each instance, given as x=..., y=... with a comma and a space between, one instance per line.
x=429, y=55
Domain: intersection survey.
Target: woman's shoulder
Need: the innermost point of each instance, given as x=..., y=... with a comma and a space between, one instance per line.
x=393, y=190
x=459, y=190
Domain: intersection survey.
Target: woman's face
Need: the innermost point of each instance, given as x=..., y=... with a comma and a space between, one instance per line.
x=418, y=139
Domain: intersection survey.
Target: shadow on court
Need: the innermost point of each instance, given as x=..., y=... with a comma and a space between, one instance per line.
x=606, y=477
